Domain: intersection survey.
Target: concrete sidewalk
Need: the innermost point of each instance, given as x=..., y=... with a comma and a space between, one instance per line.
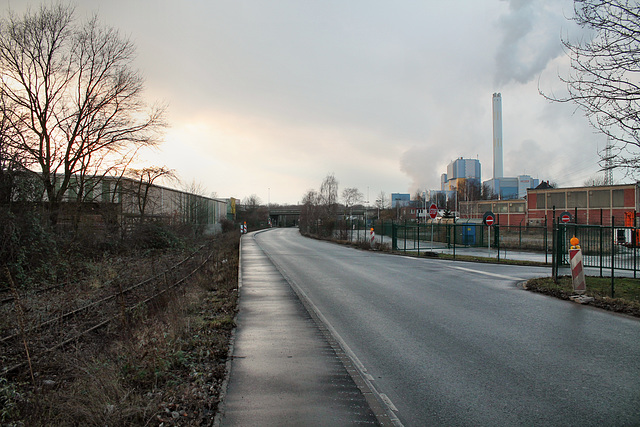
x=284, y=371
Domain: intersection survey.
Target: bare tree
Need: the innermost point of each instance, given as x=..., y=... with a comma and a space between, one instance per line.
x=594, y=181
x=309, y=211
x=329, y=200
x=252, y=202
x=487, y=192
x=351, y=196
x=74, y=99
x=329, y=191
x=10, y=160
x=143, y=180
x=468, y=190
x=195, y=207
x=381, y=201
x=605, y=72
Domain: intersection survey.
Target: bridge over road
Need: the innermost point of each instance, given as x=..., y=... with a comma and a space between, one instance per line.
x=289, y=216
x=285, y=216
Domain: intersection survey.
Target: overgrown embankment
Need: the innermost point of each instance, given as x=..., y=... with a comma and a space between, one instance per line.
x=150, y=349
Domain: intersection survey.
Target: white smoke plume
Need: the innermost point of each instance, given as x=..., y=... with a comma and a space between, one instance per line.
x=531, y=38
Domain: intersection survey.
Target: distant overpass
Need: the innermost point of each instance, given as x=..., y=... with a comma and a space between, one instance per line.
x=289, y=216
x=285, y=216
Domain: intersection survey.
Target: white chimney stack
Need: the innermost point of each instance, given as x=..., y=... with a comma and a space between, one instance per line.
x=497, y=136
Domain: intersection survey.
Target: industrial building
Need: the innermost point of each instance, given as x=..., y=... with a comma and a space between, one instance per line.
x=602, y=205
x=461, y=170
x=504, y=188
x=126, y=201
x=400, y=199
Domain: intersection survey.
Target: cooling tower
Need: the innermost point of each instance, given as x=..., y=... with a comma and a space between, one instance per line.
x=497, y=136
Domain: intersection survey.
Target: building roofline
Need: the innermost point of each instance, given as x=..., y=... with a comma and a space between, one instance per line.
x=585, y=187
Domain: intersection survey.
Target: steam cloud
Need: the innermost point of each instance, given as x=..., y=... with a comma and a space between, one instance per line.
x=530, y=40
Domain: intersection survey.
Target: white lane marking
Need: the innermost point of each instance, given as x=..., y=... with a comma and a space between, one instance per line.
x=486, y=273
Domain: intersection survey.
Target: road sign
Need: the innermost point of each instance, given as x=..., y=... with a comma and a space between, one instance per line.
x=433, y=211
x=565, y=217
x=488, y=218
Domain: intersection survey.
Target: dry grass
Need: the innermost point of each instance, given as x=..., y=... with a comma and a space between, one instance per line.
x=627, y=292
x=165, y=367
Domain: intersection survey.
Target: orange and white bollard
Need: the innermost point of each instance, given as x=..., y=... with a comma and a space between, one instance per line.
x=577, y=272
x=373, y=236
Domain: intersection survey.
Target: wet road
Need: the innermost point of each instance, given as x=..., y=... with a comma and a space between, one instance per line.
x=452, y=343
x=284, y=370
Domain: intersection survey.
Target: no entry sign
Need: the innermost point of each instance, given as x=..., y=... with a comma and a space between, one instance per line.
x=433, y=211
x=488, y=218
x=565, y=217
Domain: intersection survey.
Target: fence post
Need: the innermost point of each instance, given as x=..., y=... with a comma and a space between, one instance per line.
x=394, y=236
x=601, y=248
x=613, y=254
x=520, y=236
x=498, y=240
x=454, y=240
x=554, y=258
x=405, y=236
x=546, y=241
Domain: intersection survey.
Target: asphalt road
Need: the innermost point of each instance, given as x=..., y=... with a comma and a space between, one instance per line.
x=453, y=343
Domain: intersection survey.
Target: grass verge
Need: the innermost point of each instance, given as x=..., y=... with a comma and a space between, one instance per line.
x=627, y=292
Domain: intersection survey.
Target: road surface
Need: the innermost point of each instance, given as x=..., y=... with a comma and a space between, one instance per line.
x=453, y=343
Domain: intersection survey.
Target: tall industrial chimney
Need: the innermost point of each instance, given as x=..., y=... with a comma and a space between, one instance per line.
x=497, y=136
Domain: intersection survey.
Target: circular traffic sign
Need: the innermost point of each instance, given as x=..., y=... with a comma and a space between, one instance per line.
x=565, y=217
x=433, y=211
x=488, y=218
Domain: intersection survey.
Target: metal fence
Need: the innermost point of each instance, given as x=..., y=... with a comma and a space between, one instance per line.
x=417, y=237
x=606, y=248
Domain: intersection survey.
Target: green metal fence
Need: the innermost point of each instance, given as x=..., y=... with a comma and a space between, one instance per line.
x=607, y=248
x=420, y=238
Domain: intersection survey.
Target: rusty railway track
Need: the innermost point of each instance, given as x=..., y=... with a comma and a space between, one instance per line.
x=73, y=325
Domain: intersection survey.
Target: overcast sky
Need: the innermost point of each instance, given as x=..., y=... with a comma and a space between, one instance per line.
x=268, y=97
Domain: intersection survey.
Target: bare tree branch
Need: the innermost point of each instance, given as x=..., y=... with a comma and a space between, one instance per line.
x=604, y=80
x=75, y=98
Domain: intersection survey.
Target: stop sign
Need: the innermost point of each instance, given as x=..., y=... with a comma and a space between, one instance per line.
x=433, y=211
x=565, y=217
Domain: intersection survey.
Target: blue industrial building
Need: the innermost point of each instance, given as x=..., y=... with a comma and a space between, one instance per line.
x=400, y=199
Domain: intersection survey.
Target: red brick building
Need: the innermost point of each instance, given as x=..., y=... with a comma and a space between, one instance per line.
x=508, y=212
x=589, y=205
